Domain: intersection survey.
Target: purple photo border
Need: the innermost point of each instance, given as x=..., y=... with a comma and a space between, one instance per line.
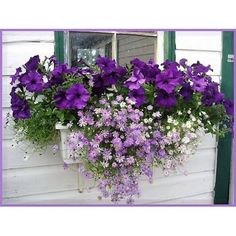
x=120, y=205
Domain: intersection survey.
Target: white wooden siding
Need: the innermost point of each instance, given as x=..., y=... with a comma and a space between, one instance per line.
x=42, y=180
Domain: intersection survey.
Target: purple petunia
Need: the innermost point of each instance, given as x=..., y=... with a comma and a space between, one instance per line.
x=32, y=81
x=20, y=107
x=186, y=91
x=33, y=63
x=165, y=100
x=106, y=64
x=78, y=96
x=136, y=80
x=138, y=95
x=199, y=84
x=16, y=75
x=168, y=80
x=200, y=69
x=212, y=95
x=110, y=75
x=229, y=107
x=61, y=101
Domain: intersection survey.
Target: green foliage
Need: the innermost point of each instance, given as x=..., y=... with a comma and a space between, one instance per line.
x=40, y=128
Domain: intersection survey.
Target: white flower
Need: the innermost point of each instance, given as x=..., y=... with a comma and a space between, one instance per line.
x=109, y=95
x=149, y=107
x=169, y=119
x=188, y=124
x=105, y=164
x=185, y=140
x=147, y=135
x=179, y=113
x=168, y=164
x=149, y=127
x=145, y=121
x=150, y=120
x=193, y=118
x=199, y=121
x=122, y=104
x=130, y=101
x=156, y=114
x=174, y=130
x=168, y=127
x=170, y=152
x=189, y=111
x=175, y=122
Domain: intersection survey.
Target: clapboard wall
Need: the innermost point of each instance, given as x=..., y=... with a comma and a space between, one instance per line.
x=42, y=180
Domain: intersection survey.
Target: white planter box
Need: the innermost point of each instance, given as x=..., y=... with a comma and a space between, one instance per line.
x=64, y=131
x=65, y=153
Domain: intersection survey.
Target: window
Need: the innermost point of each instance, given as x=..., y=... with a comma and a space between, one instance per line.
x=87, y=47
x=84, y=47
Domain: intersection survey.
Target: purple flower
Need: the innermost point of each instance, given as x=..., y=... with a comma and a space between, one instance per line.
x=130, y=160
x=33, y=63
x=161, y=153
x=186, y=91
x=53, y=60
x=16, y=75
x=229, y=107
x=78, y=96
x=168, y=80
x=172, y=65
x=165, y=99
x=32, y=81
x=106, y=64
x=20, y=107
x=138, y=63
x=61, y=101
x=136, y=80
x=212, y=95
x=106, y=154
x=110, y=74
x=200, y=69
x=199, y=84
x=138, y=95
x=183, y=62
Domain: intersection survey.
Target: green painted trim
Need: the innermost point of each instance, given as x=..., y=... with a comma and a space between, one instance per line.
x=59, y=45
x=169, y=46
x=225, y=144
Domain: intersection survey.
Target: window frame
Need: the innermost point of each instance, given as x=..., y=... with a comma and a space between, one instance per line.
x=62, y=41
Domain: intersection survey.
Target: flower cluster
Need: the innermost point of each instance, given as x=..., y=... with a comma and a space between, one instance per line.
x=124, y=120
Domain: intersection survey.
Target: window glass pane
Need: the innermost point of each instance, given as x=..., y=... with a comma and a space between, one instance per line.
x=88, y=46
x=131, y=46
x=199, y=40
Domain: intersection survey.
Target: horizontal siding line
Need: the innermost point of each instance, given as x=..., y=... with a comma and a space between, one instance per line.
x=198, y=50
x=186, y=196
x=28, y=41
x=131, y=56
x=195, y=195
x=40, y=194
x=134, y=48
x=130, y=42
x=30, y=167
